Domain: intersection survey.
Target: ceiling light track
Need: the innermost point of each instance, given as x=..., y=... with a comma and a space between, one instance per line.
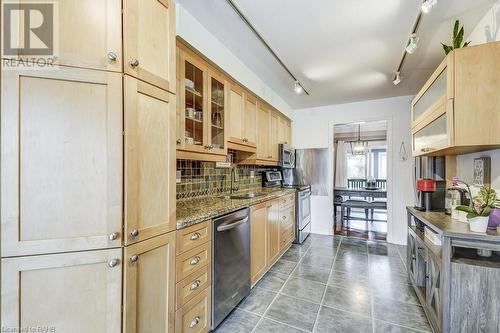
x=298, y=88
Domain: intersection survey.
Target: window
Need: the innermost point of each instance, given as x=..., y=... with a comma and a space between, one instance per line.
x=374, y=164
x=356, y=166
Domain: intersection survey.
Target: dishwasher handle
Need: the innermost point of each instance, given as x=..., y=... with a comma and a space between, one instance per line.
x=232, y=224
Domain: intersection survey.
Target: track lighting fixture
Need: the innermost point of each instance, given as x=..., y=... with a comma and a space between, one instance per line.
x=412, y=45
x=397, y=79
x=298, y=88
x=427, y=5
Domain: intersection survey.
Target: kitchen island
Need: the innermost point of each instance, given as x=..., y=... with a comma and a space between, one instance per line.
x=458, y=288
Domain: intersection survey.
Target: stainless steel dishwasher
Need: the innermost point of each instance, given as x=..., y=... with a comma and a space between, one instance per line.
x=231, y=263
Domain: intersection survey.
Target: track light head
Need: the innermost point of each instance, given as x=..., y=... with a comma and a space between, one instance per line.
x=413, y=44
x=298, y=88
x=427, y=5
x=397, y=79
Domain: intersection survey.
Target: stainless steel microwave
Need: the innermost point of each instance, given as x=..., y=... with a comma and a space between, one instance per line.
x=286, y=156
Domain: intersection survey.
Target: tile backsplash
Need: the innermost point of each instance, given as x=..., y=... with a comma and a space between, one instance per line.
x=204, y=179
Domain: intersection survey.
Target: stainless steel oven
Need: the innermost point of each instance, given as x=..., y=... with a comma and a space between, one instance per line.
x=286, y=156
x=303, y=211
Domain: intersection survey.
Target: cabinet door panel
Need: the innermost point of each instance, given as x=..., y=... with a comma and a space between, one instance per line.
x=150, y=161
x=149, y=36
x=273, y=232
x=71, y=292
x=61, y=160
x=236, y=107
x=273, y=137
x=250, y=120
x=149, y=285
x=258, y=238
x=263, y=126
x=97, y=25
x=218, y=114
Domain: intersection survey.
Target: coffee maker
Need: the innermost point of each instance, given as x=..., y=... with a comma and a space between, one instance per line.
x=430, y=183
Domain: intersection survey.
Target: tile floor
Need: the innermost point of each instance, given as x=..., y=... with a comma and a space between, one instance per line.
x=332, y=284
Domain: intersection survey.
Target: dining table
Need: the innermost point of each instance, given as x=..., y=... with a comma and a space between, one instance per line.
x=362, y=192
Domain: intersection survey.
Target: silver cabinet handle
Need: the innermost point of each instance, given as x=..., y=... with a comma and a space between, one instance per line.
x=195, y=285
x=195, y=236
x=207, y=147
x=283, y=217
x=134, y=233
x=195, y=261
x=113, y=262
x=194, y=322
x=134, y=63
x=113, y=236
x=178, y=141
x=112, y=57
x=134, y=258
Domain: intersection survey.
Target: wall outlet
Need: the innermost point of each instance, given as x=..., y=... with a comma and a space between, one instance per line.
x=252, y=174
x=178, y=176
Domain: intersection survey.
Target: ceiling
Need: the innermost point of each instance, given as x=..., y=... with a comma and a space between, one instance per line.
x=371, y=126
x=341, y=51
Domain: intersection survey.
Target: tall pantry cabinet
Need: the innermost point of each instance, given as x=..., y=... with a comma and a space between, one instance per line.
x=88, y=156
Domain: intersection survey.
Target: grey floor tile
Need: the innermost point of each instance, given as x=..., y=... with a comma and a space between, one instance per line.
x=396, y=291
x=239, y=321
x=383, y=249
x=383, y=327
x=271, y=326
x=294, y=312
x=272, y=281
x=312, y=273
x=324, y=241
x=283, y=266
x=329, y=252
x=292, y=255
x=353, y=300
x=333, y=320
x=361, y=256
x=392, y=264
x=353, y=247
x=400, y=313
x=258, y=301
x=312, y=259
x=351, y=266
x=387, y=277
x=304, y=289
x=349, y=281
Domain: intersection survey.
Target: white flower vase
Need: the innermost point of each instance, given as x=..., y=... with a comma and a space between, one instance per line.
x=478, y=224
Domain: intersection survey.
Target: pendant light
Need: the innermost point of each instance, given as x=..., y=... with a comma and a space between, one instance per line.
x=359, y=147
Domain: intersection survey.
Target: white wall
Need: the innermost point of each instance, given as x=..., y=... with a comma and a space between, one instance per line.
x=487, y=30
x=313, y=128
x=201, y=39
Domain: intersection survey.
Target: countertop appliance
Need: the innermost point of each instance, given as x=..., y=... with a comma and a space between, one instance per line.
x=286, y=156
x=231, y=263
x=456, y=196
x=302, y=200
x=430, y=183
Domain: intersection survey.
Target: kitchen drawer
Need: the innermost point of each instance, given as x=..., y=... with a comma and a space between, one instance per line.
x=190, y=261
x=195, y=316
x=193, y=236
x=192, y=285
x=287, y=200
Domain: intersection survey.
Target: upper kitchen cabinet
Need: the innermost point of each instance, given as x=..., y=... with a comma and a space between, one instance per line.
x=89, y=34
x=61, y=152
x=202, y=105
x=284, y=131
x=149, y=41
x=263, y=129
x=457, y=110
x=242, y=113
x=149, y=161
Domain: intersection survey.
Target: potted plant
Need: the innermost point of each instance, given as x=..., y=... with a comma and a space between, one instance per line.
x=479, y=211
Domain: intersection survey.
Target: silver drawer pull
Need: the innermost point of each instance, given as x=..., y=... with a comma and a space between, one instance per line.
x=195, y=284
x=113, y=236
x=195, y=236
x=112, y=57
x=134, y=258
x=113, y=262
x=195, y=260
x=134, y=233
x=134, y=63
x=194, y=322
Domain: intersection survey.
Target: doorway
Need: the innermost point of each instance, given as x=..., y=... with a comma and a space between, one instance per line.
x=360, y=179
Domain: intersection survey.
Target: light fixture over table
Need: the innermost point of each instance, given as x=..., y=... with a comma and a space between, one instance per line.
x=359, y=147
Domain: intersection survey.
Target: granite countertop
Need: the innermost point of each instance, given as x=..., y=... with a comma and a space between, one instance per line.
x=444, y=225
x=196, y=210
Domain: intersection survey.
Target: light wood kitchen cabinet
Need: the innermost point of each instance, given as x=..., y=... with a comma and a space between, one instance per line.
x=284, y=131
x=149, y=285
x=287, y=222
x=273, y=231
x=273, y=136
x=242, y=113
x=263, y=129
x=196, y=315
x=99, y=41
x=149, y=41
x=258, y=240
x=150, y=161
x=70, y=292
x=456, y=111
x=61, y=152
x=202, y=107
x=250, y=120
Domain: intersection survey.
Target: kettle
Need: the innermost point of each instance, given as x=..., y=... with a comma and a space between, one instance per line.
x=456, y=196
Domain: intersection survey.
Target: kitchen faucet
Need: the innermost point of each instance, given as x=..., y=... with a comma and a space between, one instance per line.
x=234, y=179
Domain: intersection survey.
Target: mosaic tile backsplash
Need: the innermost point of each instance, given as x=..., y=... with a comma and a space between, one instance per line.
x=204, y=179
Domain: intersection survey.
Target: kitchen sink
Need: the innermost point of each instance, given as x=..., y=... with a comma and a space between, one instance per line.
x=243, y=196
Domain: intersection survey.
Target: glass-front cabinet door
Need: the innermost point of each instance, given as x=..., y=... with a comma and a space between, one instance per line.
x=431, y=137
x=217, y=105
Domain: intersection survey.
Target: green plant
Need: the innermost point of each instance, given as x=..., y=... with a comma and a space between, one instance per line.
x=483, y=203
x=458, y=37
